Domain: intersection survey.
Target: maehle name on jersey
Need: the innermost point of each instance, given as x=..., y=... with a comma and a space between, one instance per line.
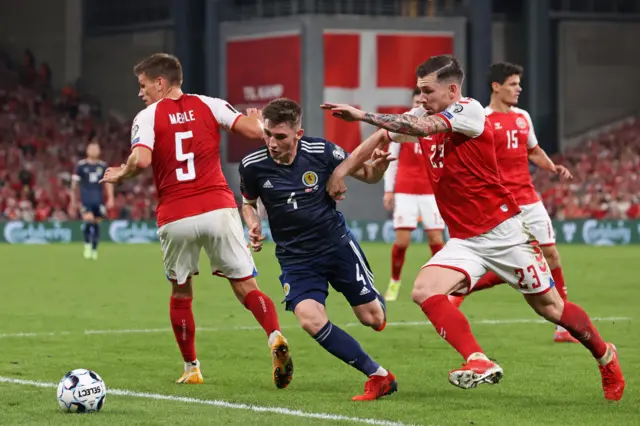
x=182, y=117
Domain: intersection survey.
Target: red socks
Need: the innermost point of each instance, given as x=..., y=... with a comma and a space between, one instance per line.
x=578, y=324
x=558, y=278
x=435, y=248
x=184, y=326
x=488, y=280
x=262, y=307
x=397, y=260
x=451, y=324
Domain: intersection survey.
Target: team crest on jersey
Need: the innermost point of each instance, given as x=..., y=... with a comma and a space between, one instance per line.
x=521, y=123
x=286, y=288
x=309, y=178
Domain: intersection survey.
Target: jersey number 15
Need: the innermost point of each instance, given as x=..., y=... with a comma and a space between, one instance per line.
x=181, y=156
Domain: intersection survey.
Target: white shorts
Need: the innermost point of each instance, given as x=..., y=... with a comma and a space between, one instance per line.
x=509, y=250
x=221, y=235
x=411, y=207
x=539, y=223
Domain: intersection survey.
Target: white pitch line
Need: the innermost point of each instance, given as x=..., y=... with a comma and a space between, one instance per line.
x=222, y=404
x=253, y=328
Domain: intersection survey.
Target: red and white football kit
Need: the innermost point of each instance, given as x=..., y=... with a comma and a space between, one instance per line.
x=196, y=209
x=487, y=232
x=513, y=137
x=408, y=179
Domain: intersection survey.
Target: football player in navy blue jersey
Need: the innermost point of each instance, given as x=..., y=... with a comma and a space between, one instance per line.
x=313, y=244
x=87, y=175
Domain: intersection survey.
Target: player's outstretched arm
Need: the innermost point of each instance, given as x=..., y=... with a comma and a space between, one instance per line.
x=398, y=123
x=540, y=158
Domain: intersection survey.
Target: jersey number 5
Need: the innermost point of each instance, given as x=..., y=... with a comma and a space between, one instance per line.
x=190, y=174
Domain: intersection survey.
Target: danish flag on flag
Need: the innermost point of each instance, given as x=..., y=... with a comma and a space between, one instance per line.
x=374, y=71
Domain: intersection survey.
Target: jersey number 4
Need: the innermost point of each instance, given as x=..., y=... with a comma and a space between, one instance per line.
x=181, y=156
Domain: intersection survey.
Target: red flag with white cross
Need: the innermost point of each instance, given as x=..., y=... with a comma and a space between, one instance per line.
x=374, y=71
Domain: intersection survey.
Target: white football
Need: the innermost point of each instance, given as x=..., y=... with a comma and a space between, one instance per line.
x=81, y=391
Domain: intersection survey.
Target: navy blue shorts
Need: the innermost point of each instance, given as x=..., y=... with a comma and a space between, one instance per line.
x=98, y=210
x=345, y=268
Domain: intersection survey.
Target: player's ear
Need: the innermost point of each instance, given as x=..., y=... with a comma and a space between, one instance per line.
x=300, y=133
x=495, y=86
x=453, y=90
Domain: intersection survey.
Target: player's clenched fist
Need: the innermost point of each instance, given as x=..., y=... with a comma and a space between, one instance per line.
x=336, y=187
x=343, y=111
x=255, y=237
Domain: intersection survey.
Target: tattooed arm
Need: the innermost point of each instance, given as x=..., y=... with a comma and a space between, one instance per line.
x=408, y=124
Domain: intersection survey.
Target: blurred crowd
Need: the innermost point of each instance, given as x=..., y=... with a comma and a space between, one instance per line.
x=44, y=133
x=606, y=182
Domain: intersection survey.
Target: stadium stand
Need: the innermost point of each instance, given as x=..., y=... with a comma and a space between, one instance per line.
x=43, y=134
x=606, y=172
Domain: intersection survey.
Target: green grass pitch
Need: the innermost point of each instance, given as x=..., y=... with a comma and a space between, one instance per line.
x=51, y=297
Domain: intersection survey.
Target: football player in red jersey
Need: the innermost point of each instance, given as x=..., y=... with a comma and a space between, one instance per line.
x=484, y=220
x=179, y=135
x=407, y=191
x=516, y=144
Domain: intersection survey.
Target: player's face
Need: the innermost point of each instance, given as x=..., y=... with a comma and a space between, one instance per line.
x=415, y=103
x=281, y=140
x=93, y=150
x=436, y=96
x=150, y=90
x=509, y=92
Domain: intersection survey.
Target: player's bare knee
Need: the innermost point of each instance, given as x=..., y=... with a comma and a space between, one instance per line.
x=423, y=289
x=552, y=256
x=311, y=316
x=549, y=305
x=552, y=313
x=435, y=237
x=182, y=291
x=311, y=323
x=372, y=316
x=401, y=244
x=376, y=319
x=242, y=288
x=403, y=238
